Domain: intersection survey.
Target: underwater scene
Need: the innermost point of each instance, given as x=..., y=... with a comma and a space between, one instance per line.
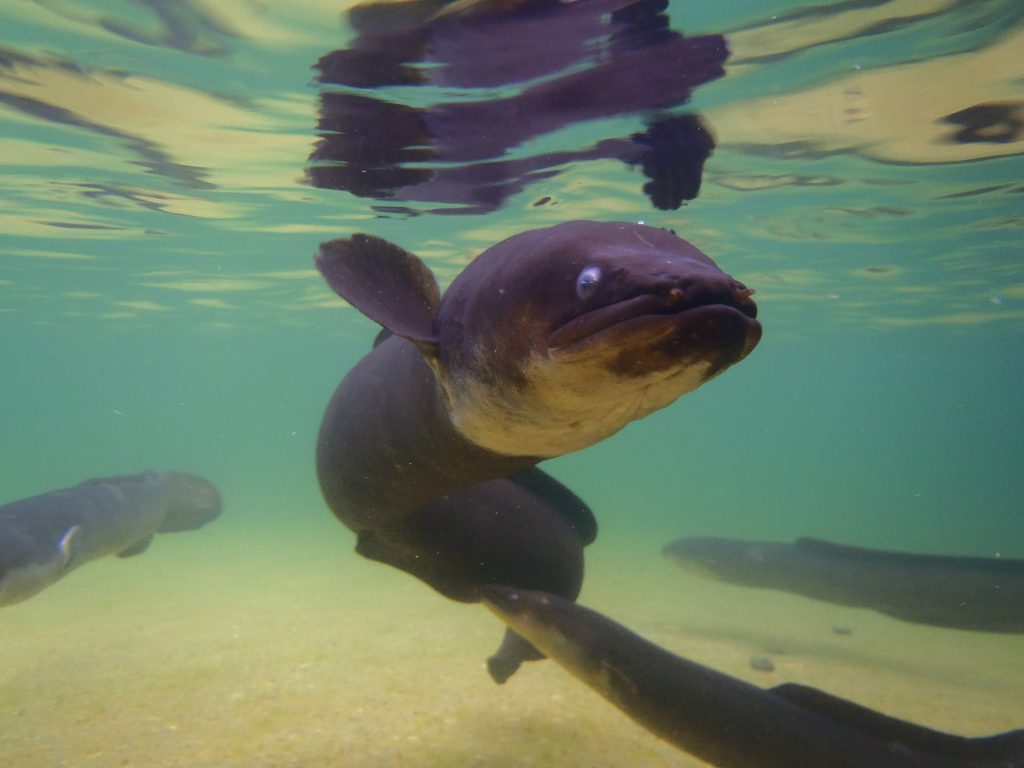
x=727, y=421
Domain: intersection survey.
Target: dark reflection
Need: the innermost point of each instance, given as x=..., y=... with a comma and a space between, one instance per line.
x=523, y=70
x=993, y=123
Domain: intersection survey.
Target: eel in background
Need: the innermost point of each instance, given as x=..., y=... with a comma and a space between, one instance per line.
x=984, y=594
x=726, y=721
x=45, y=537
x=546, y=343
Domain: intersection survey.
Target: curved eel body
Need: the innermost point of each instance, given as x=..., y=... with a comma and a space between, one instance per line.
x=724, y=720
x=45, y=537
x=984, y=594
x=546, y=343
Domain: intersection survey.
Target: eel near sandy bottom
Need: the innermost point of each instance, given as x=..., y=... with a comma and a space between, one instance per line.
x=726, y=721
x=984, y=594
x=546, y=343
x=44, y=537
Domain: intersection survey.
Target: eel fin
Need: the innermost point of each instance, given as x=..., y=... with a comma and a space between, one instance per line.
x=137, y=548
x=386, y=283
x=917, y=738
x=569, y=506
x=514, y=650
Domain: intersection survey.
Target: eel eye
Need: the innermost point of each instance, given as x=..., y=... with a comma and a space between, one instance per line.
x=587, y=281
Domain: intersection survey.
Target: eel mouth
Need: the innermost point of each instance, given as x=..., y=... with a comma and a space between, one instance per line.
x=724, y=313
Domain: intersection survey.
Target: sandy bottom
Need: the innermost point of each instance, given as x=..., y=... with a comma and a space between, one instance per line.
x=247, y=648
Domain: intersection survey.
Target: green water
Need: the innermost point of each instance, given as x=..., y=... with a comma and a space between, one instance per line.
x=159, y=307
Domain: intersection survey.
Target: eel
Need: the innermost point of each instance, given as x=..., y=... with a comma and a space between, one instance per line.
x=544, y=344
x=45, y=537
x=983, y=594
x=726, y=721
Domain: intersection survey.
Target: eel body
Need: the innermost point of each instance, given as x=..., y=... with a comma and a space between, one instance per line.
x=726, y=721
x=546, y=343
x=984, y=594
x=45, y=537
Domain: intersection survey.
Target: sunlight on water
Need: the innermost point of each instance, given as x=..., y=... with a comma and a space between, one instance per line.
x=122, y=130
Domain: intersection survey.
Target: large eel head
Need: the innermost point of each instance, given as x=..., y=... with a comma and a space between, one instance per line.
x=192, y=502
x=556, y=338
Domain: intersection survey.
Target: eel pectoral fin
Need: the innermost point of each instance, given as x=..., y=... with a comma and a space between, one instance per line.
x=513, y=651
x=137, y=548
x=921, y=740
x=386, y=283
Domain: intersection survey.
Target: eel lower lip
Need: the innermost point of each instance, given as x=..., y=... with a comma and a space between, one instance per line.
x=602, y=319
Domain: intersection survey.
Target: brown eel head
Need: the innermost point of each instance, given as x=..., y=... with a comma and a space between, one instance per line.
x=556, y=338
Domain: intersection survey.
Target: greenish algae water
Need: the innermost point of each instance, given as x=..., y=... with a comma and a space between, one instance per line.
x=159, y=309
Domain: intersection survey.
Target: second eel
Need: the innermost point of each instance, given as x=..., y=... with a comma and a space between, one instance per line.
x=45, y=537
x=726, y=721
x=983, y=594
